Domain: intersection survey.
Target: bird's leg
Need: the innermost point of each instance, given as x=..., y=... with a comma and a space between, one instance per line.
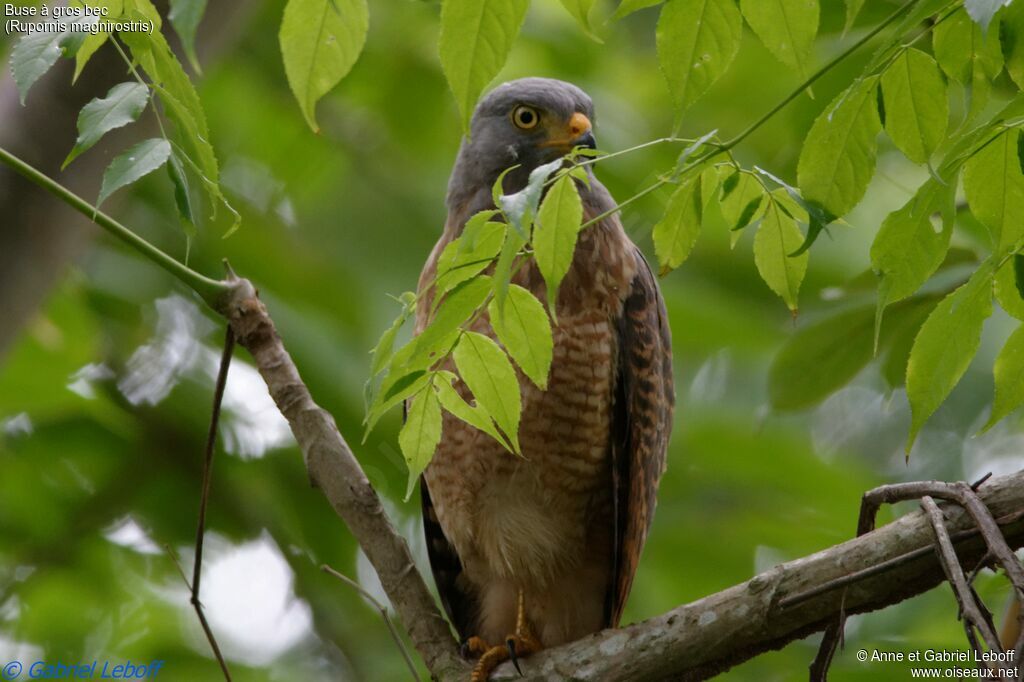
x=521, y=643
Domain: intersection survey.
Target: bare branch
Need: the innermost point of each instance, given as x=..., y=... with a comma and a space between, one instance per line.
x=699, y=640
x=383, y=613
x=204, y=498
x=334, y=469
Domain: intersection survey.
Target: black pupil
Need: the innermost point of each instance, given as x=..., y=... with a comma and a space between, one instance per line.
x=525, y=117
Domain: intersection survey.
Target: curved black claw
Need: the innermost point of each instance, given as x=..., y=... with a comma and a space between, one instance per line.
x=511, y=644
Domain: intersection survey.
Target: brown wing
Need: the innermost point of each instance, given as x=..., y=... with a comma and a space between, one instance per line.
x=447, y=569
x=642, y=422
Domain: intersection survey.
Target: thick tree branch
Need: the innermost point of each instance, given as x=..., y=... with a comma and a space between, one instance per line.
x=699, y=640
x=333, y=468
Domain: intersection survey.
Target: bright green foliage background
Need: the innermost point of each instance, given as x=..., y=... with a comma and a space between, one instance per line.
x=784, y=418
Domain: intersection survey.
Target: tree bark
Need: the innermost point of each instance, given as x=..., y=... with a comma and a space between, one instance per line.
x=691, y=642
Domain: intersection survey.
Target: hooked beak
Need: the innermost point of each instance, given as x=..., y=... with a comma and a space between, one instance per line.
x=578, y=133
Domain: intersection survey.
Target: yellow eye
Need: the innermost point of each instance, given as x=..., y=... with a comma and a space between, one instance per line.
x=525, y=117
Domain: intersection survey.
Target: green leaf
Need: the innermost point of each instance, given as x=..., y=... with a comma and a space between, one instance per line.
x=503, y=268
x=982, y=11
x=520, y=207
x=393, y=392
x=676, y=233
x=1011, y=36
x=838, y=156
x=580, y=10
x=554, y=237
x=994, y=186
x=524, y=330
x=320, y=42
x=181, y=105
x=907, y=248
x=916, y=104
x=32, y=57
x=777, y=237
x=741, y=204
x=486, y=370
x=384, y=349
x=182, y=194
x=185, y=16
x=852, y=10
x=469, y=255
x=820, y=359
x=968, y=56
x=1008, y=287
x=786, y=27
x=817, y=218
x=945, y=346
x=899, y=329
x=138, y=161
x=454, y=310
x=474, y=415
x=476, y=38
x=420, y=435
x=1009, y=378
x=121, y=106
x=697, y=41
x=627, y=7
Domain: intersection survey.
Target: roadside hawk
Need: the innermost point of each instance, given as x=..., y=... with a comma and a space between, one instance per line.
x=535, y=551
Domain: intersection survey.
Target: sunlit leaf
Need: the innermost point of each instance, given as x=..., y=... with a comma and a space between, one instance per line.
x=320, y=42
x=786, y=27
x=994, y=186
x=777, y=237
x=138, y=161
x=420, y=434
x=185, y=16
x=697, y=41
x=474, y=415
x=554, y=237
x=676, y=233
x=476, y=37
x=454, y=310
x=945, y=347
x=524, y=330
x=838, y=156
x=916, y=104
x=468, y=256
x=121, y=106
x=486, y=370
x=908, y=248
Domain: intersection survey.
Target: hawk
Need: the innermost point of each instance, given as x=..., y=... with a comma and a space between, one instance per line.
x=534, y=551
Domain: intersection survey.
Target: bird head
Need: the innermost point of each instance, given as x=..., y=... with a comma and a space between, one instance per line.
x=524, y=123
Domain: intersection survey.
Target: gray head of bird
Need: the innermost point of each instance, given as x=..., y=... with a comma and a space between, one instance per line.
x=524, y=123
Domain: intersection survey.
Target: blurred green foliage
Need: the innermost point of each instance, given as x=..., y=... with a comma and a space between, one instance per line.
x=100, y=455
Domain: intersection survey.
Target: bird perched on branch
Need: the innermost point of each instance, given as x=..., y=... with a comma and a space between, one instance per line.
x=534, y=551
